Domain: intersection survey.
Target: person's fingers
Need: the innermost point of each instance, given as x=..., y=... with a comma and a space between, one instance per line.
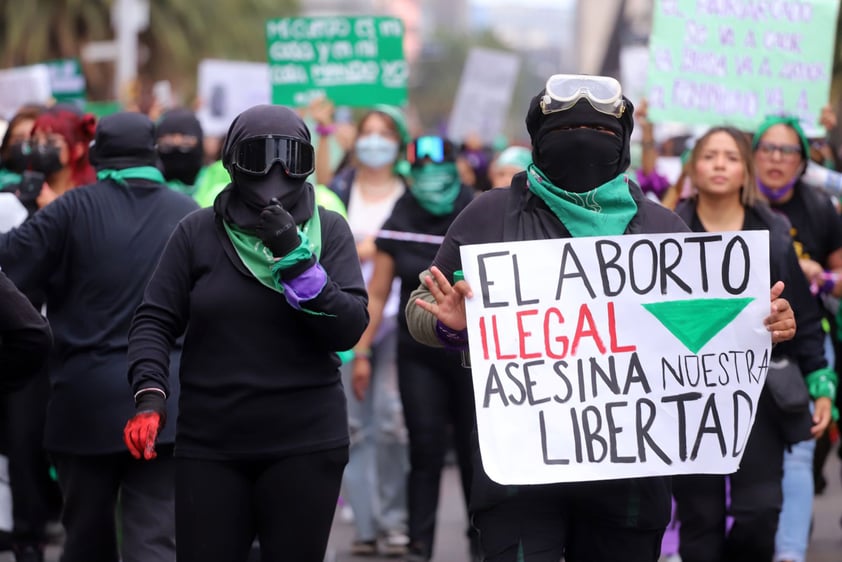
x=430, y=307
x=441, y=280
x=130, y=443
x=776, y=290
x=434, y=288
x=464, y=289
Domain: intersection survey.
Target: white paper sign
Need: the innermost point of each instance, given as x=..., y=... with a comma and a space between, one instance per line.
x=227, y=88
x=617, y=357
x=23, y=85
x=484, y=95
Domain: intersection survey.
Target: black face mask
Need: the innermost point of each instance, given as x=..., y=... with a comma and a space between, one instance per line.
x=17, y=158
x=257, y=191
x=579, y=159
x=181, y=166
x=45, y=158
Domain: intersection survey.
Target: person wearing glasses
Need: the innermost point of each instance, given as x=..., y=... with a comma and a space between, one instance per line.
x=265, y=287
x=725, y=198
x=435, y=389
x=577, y=186
x=781, y=153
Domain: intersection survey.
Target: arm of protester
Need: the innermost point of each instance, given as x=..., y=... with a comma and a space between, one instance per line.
x=321, y=110
x=338, y=313
x=379, y=288
x=834, y=265
x=647, y=143
x=25, y=337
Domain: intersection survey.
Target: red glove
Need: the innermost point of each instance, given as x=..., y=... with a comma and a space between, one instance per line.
x=142, y=430
x=140, y=434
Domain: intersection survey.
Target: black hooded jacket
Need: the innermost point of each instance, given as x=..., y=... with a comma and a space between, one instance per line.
x=259, y=379
x=92, y=251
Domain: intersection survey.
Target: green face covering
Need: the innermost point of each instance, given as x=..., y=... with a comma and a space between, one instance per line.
x=603, y=211
x=436, y=187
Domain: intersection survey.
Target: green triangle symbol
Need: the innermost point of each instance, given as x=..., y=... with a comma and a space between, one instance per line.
x=694, y=322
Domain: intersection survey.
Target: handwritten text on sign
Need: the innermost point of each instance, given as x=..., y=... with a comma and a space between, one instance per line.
x=603, y=358
x=356, y=61
x=714, y=62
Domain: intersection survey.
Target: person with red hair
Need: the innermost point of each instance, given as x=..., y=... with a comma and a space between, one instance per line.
x=61, y=137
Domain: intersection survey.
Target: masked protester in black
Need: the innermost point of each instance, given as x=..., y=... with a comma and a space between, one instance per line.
x=92, y=251
x=580, y=155
x=179, y=141
x=266, y=288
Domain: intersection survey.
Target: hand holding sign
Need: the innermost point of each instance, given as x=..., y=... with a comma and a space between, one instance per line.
x=781, y=321
x=449, y=307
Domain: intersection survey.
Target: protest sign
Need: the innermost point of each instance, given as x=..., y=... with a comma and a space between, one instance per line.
x=734, y=63
x=23, y=85
x=226, y=89
x=484, y=95
x=67, y=81
x=354, y=61
x=617, y=357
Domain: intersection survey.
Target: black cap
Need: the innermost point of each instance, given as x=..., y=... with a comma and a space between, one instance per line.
x=124, y=140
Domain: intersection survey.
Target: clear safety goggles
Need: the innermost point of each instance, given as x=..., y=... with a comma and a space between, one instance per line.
x=564, y=90
x=256, y=155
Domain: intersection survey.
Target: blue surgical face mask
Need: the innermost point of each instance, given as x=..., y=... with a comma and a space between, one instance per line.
x=376, y=151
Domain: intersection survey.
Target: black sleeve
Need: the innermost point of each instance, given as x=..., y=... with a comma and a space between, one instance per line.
x=807, y=347
x=343, y=301
x=25, y=337
x=30, y=253
x=162, y=315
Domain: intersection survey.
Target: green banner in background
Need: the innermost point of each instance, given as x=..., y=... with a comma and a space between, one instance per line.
x=714, y=62
x=67, y=81
x=354, y=61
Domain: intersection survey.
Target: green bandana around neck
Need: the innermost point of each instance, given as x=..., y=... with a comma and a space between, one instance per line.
x=436, y=187
x=603, y=211
x=259, y=260
x=182, y=187
x=150, y=173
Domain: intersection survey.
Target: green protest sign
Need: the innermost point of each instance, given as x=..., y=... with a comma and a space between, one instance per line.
x=714, y=62
x=67, y=81
x=355, y=61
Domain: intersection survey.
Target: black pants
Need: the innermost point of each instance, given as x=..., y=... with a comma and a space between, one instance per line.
x=756, y=498
x=287, y=503
x=34, y=496
x=612, y=521
x=437, y=396
x=91, y=486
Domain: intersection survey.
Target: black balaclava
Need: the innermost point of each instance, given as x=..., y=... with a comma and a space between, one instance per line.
x=568, y=149
x=242, y=202
x=124, y=140
x=179, y=165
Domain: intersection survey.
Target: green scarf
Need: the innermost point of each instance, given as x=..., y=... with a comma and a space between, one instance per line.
x=259, y=260
x=150, y=173
x=603, y=211
x=182, y=187
x=436, y=187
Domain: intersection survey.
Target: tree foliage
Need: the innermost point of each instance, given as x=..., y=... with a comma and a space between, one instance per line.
x=180, y=34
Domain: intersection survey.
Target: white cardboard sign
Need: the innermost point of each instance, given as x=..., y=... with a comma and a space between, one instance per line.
x=599, y=358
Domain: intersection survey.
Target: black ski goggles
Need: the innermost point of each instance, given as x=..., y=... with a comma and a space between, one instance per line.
x=430, y=149
x=256, y=155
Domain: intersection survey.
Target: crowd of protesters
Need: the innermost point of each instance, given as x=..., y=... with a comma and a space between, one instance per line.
x=237, y=339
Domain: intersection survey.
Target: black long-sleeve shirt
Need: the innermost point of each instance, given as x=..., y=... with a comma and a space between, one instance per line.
x=92, y=251
x=25, y=337
x=258, y=378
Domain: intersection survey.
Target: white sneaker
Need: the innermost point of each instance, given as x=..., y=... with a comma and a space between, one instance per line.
x=395, y=543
